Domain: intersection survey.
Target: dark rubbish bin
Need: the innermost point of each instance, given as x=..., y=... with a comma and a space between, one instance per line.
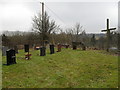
x=11, y=58
x=42, y=51
x=52, y=49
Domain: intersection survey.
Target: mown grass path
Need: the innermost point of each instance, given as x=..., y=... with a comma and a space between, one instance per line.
x=66, y=69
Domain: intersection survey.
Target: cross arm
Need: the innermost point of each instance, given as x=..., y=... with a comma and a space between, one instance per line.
x=108, y=29
x=103, y=30
x=112, y=28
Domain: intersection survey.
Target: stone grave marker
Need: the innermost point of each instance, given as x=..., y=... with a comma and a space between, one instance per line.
x=42, y=51
x=16, y=49
x=4, y=49
x=52, y=49
x=59, y=47
x=26, y=48
x=74, y=47
x=75, y=44
x=34, y=46
x=67, y=46
x=27, y=56
x=11, y=57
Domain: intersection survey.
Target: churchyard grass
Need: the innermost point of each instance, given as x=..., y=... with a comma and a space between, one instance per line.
x=66, y=69
x=0, y=69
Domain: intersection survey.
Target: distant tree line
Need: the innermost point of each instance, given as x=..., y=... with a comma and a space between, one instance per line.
x=11, y=39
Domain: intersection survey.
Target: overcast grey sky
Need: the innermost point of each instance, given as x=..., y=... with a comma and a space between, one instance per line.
x=91, y=15
x=119, y=16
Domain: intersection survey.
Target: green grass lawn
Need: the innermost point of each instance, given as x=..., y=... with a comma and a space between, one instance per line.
x=66, y=69
x=0, y=69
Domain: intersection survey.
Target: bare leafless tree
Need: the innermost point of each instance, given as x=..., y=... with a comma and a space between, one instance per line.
x=44, y=26
x=77, y=30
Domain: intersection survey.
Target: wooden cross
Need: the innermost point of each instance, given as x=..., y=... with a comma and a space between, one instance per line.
x=108, y=34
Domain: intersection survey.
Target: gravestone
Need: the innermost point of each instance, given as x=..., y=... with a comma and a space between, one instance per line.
x=83, y=47
x=67, y=46
x=16, y=49
x=75, y=44
x=52, y=49
x=34, y=46
x=4, y=49
x=74, y=47
x=11, y=58
x=26, y=48
x=42, y=51
x=59, y=47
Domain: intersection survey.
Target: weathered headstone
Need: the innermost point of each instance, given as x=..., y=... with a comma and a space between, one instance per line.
x=26, y=48
x=11, y=57
x=83, y=47
x=34, y=46
x=75, y=44
x=59, y=47
x=4, y=49
x=52, y=49
x=16, y=49
x=67, y=46
x=74, y=47
x=42, y=51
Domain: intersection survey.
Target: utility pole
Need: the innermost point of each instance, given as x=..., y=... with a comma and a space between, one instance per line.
x=42, y=9
x=43, y=23
x=43, y=49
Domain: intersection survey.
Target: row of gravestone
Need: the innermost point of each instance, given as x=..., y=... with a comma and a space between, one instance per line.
x=11, y=53
x=52, y=50
x=43, y=49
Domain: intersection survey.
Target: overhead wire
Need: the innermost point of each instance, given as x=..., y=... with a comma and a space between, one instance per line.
x=55, y=14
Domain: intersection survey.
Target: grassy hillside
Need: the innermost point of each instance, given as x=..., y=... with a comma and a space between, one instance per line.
x=0, y=69
x=66, y=69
